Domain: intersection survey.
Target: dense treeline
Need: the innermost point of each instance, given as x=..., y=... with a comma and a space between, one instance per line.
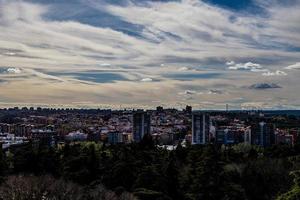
x=142, y=171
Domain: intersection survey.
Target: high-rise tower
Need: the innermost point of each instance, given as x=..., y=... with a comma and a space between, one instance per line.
x=200, y=128
x=141, y=125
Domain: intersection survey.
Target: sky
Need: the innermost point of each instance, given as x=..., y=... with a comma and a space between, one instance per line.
x=145, y=53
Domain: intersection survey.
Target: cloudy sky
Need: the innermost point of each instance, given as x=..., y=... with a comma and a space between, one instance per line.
x=144, y=53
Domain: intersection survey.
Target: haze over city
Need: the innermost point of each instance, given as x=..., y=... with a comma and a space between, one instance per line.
x=139, y=54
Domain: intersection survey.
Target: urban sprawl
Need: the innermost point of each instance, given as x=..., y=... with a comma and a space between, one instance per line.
x=167, y=127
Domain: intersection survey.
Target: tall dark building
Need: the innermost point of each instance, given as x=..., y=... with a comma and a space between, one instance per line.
x=200, y=128
x=159, y=109
x=141, y=125
x=188, y=109
x=262, y=134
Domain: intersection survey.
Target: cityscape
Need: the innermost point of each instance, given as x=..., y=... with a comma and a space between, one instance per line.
x=85, y=145
x=149, y=100
x=167, y=127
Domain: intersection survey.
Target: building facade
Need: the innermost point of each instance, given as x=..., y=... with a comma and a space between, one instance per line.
x=200, y=128
x=141, y=125
x=115, y=137
x=262, y=134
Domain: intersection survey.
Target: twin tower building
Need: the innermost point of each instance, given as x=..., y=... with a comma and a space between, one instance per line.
x=200, y=127
x=261, y=134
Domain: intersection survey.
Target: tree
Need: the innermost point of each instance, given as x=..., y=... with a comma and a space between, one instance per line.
x=151, y=179
x=270, y=174
x=294, y=193
x=203, y=177
x=25, y=159
x=147, y=142
x=47, y=187
x=172, y=173
x=3, y=164
x=33, y=187
x=145, y=194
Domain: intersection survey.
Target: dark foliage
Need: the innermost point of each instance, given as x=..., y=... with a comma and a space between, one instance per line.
x=147, y=172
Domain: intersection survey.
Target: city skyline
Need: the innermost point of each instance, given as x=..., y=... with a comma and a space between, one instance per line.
x=140, y=54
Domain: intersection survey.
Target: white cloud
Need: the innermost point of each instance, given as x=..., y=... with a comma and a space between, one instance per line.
x=10, y=53
x=215, y=92
x=13, y=70
x=184, y=69
x=147, y=80
x=194, y=92
x=246, y=66
x=294, y=66
x=259, y=70
x=230, y=63
x=276, y=73
x=105, y=65
x=254, y=67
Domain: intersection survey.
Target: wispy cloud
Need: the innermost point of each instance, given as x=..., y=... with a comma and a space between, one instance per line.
x=134, y=39
x=276, y=73
x=245, y=66
x=294, y=66
x=254, y=67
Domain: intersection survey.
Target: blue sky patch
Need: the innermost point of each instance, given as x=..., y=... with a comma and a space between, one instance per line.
x=96, y=77
x=248, y=6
